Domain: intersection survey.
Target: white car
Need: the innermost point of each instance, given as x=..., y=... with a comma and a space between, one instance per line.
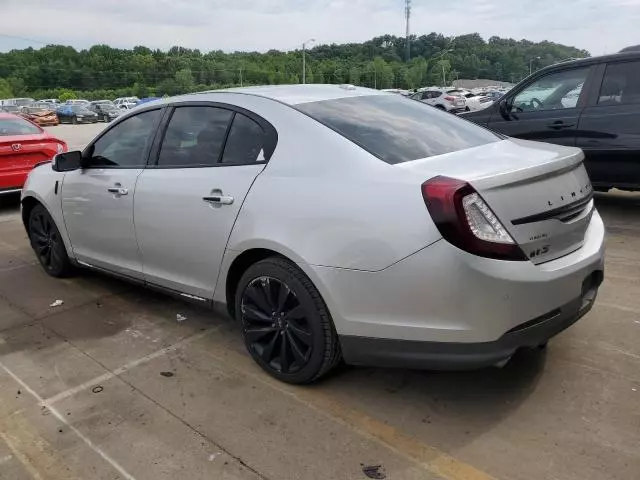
x=452, y=103
x=126, y=103
x=77, y=102
x=334, y=222
x=474, y=102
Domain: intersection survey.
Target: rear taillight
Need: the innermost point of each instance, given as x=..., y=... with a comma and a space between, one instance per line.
x=61, y=147
x=449, y=98
x=466, y=221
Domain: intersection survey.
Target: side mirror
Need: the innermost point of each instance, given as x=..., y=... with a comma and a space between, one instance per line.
x=68, y=161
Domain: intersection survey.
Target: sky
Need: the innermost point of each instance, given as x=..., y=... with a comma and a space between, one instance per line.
x=600, y=26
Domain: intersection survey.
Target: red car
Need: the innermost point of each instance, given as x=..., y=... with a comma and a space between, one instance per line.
x=22, y=146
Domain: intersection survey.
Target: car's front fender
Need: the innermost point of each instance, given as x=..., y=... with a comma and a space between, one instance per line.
x=44, y=185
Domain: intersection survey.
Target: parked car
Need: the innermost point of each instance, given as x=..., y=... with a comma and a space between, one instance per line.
x=10, y=108
x=146, y=99
x=473, y=101
x=77, y=102
x=76, y=114
x=22, y=146
x=50, y=100
x=591, y=103
x=43, y=116
x=452, y=103
x=17, y=102
x=106, y=111
x=126, y=103
x=488, y=245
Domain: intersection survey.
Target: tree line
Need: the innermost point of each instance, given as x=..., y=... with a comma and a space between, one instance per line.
x=101, y=71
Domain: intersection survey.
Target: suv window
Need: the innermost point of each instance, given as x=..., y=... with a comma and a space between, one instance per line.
x=395, y=129
x=195, y=137
x=621, y=84
x=554, y=91
x=245, y=143
x=125, y=144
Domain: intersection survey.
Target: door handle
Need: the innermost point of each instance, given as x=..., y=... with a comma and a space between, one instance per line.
x=559, y=125
x=118, y=190
x=219, y=199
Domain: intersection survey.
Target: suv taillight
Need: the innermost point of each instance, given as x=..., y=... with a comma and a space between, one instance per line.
x=466, y=221
x=449, y=98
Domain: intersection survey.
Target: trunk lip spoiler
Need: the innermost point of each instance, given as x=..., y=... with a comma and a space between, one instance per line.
x=564, y=210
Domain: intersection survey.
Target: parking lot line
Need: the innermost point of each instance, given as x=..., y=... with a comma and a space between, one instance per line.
x=18, y=455
x=119, y=371
x=119, y=468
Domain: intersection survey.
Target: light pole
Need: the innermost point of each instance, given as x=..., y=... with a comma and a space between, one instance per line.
x=441, y=57
x=304, y=59
x=531, y=63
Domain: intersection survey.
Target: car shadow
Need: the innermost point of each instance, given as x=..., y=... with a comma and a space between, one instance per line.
x=617, y=207
x=447, y=410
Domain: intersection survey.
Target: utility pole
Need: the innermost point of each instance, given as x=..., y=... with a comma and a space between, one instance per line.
x=304, y=59
x=407, y=14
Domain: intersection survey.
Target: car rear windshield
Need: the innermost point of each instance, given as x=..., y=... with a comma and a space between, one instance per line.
x=17, y=126
x=397, y=129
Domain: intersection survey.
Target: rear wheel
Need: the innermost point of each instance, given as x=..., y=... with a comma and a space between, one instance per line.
x=47, y=243
x=285, y=324
x=74, y=120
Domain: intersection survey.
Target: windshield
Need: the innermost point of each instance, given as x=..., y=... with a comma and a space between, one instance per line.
x=396, y=129
x=17, y=126
x=80, y=109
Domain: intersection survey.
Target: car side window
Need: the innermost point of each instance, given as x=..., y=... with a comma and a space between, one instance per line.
x=245, y=143
x=554, y=91
x=621, y=84
x=195, y=137
x=125, y=144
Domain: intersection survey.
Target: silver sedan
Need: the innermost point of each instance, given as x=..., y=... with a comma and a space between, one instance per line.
x=334, y=222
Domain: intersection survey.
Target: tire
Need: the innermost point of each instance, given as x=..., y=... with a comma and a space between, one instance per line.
x=47, y=243
x=105, y=119
x=74, y=120
x=277, y=304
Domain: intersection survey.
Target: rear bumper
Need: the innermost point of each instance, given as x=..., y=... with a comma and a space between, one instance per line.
x=444, y=295
x=382, y=352
x=13, y=181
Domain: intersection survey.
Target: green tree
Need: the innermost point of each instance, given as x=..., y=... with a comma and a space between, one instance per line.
x=66, y=94
x=5, y=89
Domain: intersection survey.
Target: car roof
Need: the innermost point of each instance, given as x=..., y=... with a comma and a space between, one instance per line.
x=297, y=94
x=593, y=60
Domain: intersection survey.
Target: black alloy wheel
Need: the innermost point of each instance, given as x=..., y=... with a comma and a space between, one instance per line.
x=286, y=326
x=47, y=243
x=74, y=120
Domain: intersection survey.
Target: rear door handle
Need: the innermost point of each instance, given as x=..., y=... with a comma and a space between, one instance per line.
x=559, y=125
x=219, y=199
x=118, y=191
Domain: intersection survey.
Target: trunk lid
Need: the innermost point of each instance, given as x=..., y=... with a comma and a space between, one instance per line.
x=540, y=192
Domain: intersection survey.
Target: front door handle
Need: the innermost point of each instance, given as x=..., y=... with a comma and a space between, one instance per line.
x=219, y=199
x=559, y=124
x=118, y=191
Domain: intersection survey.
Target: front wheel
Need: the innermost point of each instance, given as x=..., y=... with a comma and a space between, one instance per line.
x=74, y=120
x=285, y=323
x=48, y=244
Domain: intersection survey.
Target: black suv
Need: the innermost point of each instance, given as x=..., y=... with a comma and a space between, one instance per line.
x=592, y=103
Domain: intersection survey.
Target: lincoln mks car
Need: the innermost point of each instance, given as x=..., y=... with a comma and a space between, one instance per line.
x=334, y=222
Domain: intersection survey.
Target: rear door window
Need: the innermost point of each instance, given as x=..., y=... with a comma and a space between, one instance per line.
x=621, y=84
x=396, y=129
x=195, y=137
